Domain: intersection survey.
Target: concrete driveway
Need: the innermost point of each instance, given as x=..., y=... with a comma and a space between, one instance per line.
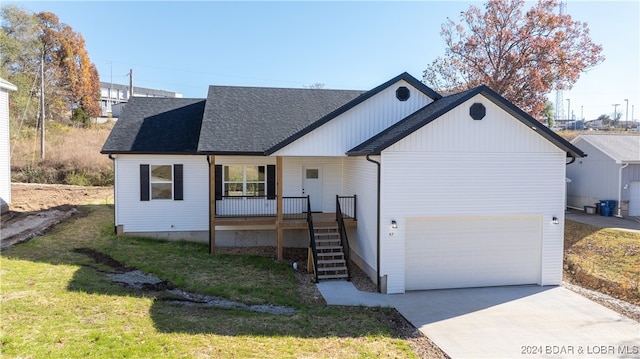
x=519, y=321
x=506, y=322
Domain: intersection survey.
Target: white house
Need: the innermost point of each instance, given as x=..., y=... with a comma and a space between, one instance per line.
x=5, y=163
x=421, y=191
x=610, y=172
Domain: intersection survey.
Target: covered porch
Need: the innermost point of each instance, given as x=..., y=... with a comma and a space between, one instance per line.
x=270, y=209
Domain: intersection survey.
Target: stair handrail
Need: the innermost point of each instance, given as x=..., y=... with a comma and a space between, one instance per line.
x=312, y=240
x=343, y=237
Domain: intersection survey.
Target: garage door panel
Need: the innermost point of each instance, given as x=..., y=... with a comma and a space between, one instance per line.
x=454, y=252
x=634, y=199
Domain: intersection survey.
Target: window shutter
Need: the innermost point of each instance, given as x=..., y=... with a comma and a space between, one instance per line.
x=144, y=182
x=218, y=179
x=178, y=183
x=271, y=182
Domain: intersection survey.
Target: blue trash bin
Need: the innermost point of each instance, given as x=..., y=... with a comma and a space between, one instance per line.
x=607, y=207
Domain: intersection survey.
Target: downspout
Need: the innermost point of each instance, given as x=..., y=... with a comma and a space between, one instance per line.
x=620, y=189
x=115, y=208
x=209, y=186
x=378, y=279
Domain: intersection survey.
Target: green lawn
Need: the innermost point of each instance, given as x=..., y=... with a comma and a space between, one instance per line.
x=56, y=302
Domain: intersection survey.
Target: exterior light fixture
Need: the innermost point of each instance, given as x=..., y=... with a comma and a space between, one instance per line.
x=555, y=220
x=394, y=224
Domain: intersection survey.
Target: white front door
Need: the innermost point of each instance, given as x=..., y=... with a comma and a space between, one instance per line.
x=312, y=186
x=634, y=199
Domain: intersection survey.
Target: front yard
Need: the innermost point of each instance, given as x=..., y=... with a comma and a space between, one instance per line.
x=57, y=301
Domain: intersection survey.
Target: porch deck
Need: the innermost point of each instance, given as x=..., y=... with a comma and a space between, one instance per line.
x=319, y=219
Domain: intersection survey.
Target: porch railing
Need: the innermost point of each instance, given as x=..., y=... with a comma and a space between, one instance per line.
x=312, y=241
x=348, y=206
x=260, y=206
x=343, y=234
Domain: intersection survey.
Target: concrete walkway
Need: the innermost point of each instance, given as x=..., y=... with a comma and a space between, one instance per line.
x=596, y=220
x=506, y=322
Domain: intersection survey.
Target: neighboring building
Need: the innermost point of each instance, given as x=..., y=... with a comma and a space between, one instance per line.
x=435, y=192
x=610, y=172
x=5, y=157
x=114, y=96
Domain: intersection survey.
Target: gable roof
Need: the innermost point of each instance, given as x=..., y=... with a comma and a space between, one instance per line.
x=621, y=148
x=250, y=120
x=432, y=111
x=260, y=121
x=153, y=125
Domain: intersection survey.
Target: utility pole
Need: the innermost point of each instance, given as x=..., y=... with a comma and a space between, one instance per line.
x=130, y=83
x=615, y=114
x=626, y=114
x=42, y=126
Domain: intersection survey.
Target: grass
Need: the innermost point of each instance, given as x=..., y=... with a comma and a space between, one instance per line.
x=72, y=156
x=59, y=303
x=605, y=260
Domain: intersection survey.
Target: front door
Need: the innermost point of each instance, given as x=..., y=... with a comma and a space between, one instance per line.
x=312, y=186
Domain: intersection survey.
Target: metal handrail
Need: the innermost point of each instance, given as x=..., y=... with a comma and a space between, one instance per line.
x=348, y=205
x=312, y=239
x=343, y=236
x=260, y=206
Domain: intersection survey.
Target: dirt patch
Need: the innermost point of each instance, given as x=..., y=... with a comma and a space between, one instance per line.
x=35, y=208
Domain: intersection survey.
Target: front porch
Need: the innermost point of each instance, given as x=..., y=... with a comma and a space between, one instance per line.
x=250, y=211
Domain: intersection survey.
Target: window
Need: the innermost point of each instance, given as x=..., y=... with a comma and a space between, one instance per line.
x=161, y=182
x=244, y=181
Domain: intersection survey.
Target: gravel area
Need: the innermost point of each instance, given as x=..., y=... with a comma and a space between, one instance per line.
x=620, y=306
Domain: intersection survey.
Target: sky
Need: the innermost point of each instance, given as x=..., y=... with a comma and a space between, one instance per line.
x=186, y=46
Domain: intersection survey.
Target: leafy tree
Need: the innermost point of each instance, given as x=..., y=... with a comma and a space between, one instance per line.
x=520, y=54
x=71, y=80
x=547, y=114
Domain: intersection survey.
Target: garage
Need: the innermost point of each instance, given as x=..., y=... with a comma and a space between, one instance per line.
x=472, y=251
x=634, y=199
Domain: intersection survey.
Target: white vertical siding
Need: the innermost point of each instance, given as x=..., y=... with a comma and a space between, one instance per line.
x=593, y=178
x=358, y=124
x=190, y=214
x=5, y=167
x=360, y=178
x=456, y=166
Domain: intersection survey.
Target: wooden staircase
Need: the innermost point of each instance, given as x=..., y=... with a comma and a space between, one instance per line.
x=331, y=263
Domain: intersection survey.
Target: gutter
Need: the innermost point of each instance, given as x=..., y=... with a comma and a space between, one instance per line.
x=378, y=279
x=620, y=189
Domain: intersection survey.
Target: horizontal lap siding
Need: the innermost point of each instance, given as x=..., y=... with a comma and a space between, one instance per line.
x=190, y=214
x=592, y=177
x=456, y=166
x=360, y=178
x=5, y=168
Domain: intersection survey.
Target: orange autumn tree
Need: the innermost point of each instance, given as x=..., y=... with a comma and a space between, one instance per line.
x=77, y=77
x=522, y=55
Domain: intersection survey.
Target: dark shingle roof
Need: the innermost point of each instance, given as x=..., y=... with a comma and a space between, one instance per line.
x=260, y=121
x=157, y=125
x=432, y=111
x=251, y=120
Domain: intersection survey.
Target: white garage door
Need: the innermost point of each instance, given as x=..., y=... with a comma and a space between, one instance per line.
x=634, y=199
x=457, y=252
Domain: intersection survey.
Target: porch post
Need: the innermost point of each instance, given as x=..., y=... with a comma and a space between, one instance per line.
x=279, y=219
x=212, y=204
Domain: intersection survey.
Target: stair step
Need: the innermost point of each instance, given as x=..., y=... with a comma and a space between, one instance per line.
x=331, y=261
x=327, y=240
x=325, y=227
x=323, y=234
x=332, y=269
x=329, y=247
x=333, y=276
x=331, y=254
